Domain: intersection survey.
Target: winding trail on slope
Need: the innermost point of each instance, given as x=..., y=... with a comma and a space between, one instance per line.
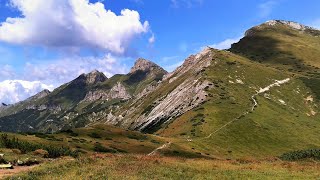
x=254, y=106
x=159, y=148
x=255, y=103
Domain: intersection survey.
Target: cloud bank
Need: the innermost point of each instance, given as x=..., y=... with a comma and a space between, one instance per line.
x=71, y=23
x=12, y=91
x=49, y=75
x=64, y=70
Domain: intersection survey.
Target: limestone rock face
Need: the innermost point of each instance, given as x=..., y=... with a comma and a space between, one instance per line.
x=145, y=65
x=52, y=108
x=95, y=77
x=95, y=95
x=194, y=63
x=290, y=24
x=190, y=93
x=117, y=92
x=89, y=79
x=185, y=97
x=40, y=95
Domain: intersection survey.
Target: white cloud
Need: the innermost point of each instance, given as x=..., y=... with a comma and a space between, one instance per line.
x=71, y=23
x=64, y=70
x=186, y=3
x=49, y=75
x=12, y=91
x=226, y=44
x=152, y=39
x=266, y=8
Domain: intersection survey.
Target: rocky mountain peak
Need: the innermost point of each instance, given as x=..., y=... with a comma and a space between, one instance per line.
x=273, y=23
x=194, y=62
x=144, y=65
x=290, y=24
x=95, y=77
x=43, y=93
x=40, y=95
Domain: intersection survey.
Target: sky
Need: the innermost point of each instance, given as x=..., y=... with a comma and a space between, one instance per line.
x=44, y=44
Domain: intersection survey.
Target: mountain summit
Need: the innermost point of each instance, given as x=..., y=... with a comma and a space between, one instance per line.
x=145, y=65
x=95, y=77
x=281, y=25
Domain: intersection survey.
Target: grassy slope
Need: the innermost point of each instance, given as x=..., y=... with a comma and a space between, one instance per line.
x=277, y=52
x=281, y=45
x=141, y=167
x=270, y=130
x=122, y=141
x=285, y=49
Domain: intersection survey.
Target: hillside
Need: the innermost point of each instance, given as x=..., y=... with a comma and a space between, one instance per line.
x=78, y=103
x=260, y=98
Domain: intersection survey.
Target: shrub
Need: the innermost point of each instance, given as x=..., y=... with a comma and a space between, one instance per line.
x=41, y=152
x=302, y=154
x=24, y=147
x=27, y=162
x=2, y=160
x=16, y=151
x=94, y=135
x=69, y=131
x=99, y=148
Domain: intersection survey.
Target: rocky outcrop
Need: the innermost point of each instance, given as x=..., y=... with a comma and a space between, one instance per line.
x=95, y=95
x=150, y=88
x=40, y=95
x=54, y=109
x=89, y=79
x=145, y=65
x=185, y=97
x=117, y=92
x=194, y=63
x=190, y=93
x=95, y=77
x=290, y=24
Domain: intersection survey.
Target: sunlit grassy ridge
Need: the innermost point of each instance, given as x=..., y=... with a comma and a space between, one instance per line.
x=281, y=122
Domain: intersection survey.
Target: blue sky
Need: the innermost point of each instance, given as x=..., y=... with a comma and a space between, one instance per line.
x=53, y=42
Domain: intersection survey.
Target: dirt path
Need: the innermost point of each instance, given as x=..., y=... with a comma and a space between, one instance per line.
x=254, y=101
x=17, y=169
x=159, y=148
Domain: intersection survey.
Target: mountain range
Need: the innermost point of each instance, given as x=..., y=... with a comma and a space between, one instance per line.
x=260, y=97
